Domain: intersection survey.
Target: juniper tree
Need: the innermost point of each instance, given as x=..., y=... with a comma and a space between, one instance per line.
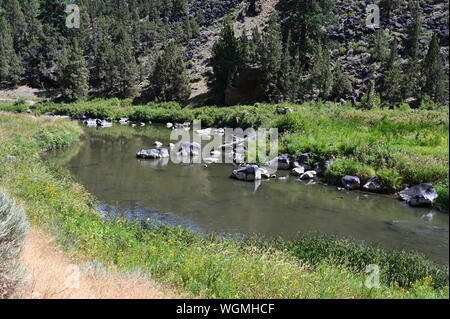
x=271, y=57
x=74, y=83
x=169, y=80
x=390, y=87
x=435, y=79
x=342, y=85
x=380, y=48
x=411, y=87
x=10, y=69
x=321, y=75
x=306, y=20
x=414, y=31
x=225, y=62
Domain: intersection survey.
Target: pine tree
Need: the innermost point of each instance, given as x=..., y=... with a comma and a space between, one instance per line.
x=17, y=21
x=391, y=78
x=254, y=47
x=10, y=69
x=271, y=57
x=321, y=74
x=412, y=72
x=287, y=75
x=435, y=82
x=169, y=80
x=125, y=70
x=380, y=49
x=306, y=20
x=75, y=74
x=342, y=85
x=414, y=31
x=225, y=62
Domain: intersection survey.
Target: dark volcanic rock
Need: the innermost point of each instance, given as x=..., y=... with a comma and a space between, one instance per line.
x=351, y=182
x=419, y=195
x=373, y=185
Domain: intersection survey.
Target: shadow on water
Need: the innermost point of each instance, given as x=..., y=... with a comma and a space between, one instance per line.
x=207, y=200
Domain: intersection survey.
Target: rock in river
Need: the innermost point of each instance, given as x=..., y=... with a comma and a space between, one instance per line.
x=322, y=168
x=298, y=171
x=351, y=182
x=247, y=172
x=282, y=162
x=373, y=185
x=420, y=195
x=149, y=154
x=308, y=175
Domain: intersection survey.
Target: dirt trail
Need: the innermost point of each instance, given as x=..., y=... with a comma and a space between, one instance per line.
x=52, y=275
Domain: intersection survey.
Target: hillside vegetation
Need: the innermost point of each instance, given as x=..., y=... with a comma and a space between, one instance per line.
x=254, y=50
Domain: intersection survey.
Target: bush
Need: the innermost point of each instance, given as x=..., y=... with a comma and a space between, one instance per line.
x=402, y=268
x=292, y=122
x=442, y=190
x=344, y=167
x=13, y=227
x=390, y=179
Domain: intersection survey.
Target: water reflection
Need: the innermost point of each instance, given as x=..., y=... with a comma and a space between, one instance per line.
x=204, y=198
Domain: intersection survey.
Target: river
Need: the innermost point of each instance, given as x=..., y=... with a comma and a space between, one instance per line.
x=207, y=200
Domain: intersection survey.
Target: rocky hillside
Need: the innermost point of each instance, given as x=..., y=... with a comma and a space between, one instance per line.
x=353, y=39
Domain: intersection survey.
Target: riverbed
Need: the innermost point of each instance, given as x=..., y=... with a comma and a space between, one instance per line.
x=206, y=199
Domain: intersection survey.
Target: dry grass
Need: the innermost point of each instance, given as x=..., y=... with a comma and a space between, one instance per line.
x=52, y=275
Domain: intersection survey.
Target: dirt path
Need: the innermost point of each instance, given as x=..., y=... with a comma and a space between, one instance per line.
x=51, y=274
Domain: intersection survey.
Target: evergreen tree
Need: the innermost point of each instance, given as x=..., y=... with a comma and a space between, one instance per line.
x=380, y=49
x=17, y=22
x=306, y=21
x=342, y=85
x=10, y=69
x=225, y=61
x=271, y=57
x=391, y=78
x=435, y=82
x=321, y=75
x=387, y=6
x=287, y=76
x=414, y=31
x=74, y=82
x=124, y=71
x=411, y=87
x=169, y=80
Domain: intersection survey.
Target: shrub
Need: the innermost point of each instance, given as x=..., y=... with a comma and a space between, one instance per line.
x=442, y=190
x=344, y=167
x=13, y=227
x=292, y=122
x=390, y=179
x=402, y=268
x=417, y=169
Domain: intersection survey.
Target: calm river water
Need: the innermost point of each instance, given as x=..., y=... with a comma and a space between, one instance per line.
x=207, y=200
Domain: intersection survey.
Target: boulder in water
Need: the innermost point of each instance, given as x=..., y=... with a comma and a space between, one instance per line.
x=373, y=185
x=248, y=172
x=322, y=167
x=351, y=182
x=308, y=175
x=419, y=195
x=149, y=154
x=298, y=171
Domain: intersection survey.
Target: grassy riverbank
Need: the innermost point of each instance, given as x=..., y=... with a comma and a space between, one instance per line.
x=207, y=267
x=401, y=147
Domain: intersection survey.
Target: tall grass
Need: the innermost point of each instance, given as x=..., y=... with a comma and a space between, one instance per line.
x=202, y=266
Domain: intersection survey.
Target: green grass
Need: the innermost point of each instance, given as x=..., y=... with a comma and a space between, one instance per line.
x=201, y=266
x=403, y=146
